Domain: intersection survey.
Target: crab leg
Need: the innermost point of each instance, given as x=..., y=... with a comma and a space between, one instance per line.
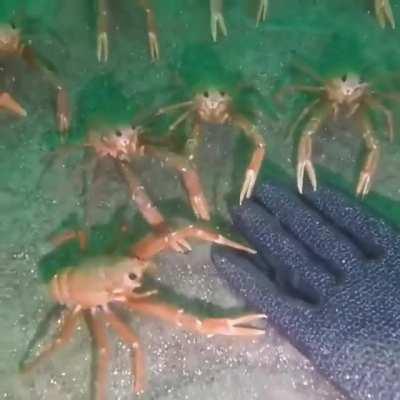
x=59, y=240
x=70, y=319
x=372, y=159
x=8, y=103
x=149, y=211
x=96, y=325
x=209, y=326
x=304, y=155
x=193, y=142
x=173, y=107
x=62, y=103
x=384, y=13
x=377, y=105
x=150, y=246
x=190, y=179
x=257, y=158
x=217, y=19
x=152, y=30
x=131, y=340
x=262, y=11
x=102, y=31
x=306, y=111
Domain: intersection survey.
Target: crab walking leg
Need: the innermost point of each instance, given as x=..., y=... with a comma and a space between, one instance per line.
x=102, y=31
x=179, y=120
x=262, y=11
x=152, y=29
x=149, y=211
x=8, y=103
x=151, y=245
x=131, y=340
x=217, y=19
x=304, y=155
x=377, y=105
x=372, y=159
x=257, y=158
x=63, y=113
x=173, y=107
x=59, y=240
x=384, y=13
x=70, y=319
x=305, y=112
x=190, y=179
x=209, y=326
x=95, y=322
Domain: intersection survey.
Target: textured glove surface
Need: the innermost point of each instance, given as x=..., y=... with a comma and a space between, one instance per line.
x=327, y=274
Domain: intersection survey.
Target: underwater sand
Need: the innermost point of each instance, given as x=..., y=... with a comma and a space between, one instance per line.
x=180, y=365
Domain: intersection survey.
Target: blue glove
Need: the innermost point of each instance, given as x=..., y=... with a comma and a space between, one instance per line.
x=327, y=274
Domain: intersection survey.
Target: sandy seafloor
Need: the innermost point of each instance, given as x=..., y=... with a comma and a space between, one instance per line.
x=180, y=365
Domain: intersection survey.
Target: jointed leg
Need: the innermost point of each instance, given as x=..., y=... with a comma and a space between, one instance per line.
x=152, y=30
x=384, y=13
x=372, y=159
x=262, y=11
x=304, y=157
x=102, y=31
x=8, y=103
x=377, y=105
x=152, y=245
x=190, y=179
x=98, y=331
x=131, y=340
x=257, y=158
x=173, y=107
x=70, y=319
x=305, y=112
x=149, y=211
x=193, y=142
x=210, y=326
x=217, y=19
x=63, y=111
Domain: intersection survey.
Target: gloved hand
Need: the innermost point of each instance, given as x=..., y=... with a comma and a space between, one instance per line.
x=327, y=274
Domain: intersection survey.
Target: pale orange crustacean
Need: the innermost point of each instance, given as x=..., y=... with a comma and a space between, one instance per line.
x=349, y=97
x=87, y=291
x=216, y=107
x=11, y=45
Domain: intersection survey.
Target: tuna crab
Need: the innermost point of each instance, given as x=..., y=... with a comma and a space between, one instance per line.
x=89, y=289
x=350, y=97
x=384, y=13
x=11, y=45
x=102, y=30
x=217, y=18
x=214, y=106
x=126, y=143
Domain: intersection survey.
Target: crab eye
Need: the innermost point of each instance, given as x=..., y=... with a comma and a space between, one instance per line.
x=118, y=133
x=132, y=276
x=206, y=94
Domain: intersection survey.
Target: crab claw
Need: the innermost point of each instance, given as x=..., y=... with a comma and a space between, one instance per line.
x=384, y=13
x=248, y=185
x=102, y=47
x=154, y=47
x=262, y=11
x=232, y=327
x=8, y=103
x=217, y=19
x=368, y=172
x=304, y=163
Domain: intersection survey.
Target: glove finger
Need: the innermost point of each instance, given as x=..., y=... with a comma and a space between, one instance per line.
x=283, y=251
x=254, y=285
x=310, y=228
x=372, y=235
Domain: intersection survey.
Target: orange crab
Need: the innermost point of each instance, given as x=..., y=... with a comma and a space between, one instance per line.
x=89, y=289
x=127, y=143
x=11, y=45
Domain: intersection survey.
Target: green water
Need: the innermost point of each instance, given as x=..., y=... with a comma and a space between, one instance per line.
x=331, y=36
